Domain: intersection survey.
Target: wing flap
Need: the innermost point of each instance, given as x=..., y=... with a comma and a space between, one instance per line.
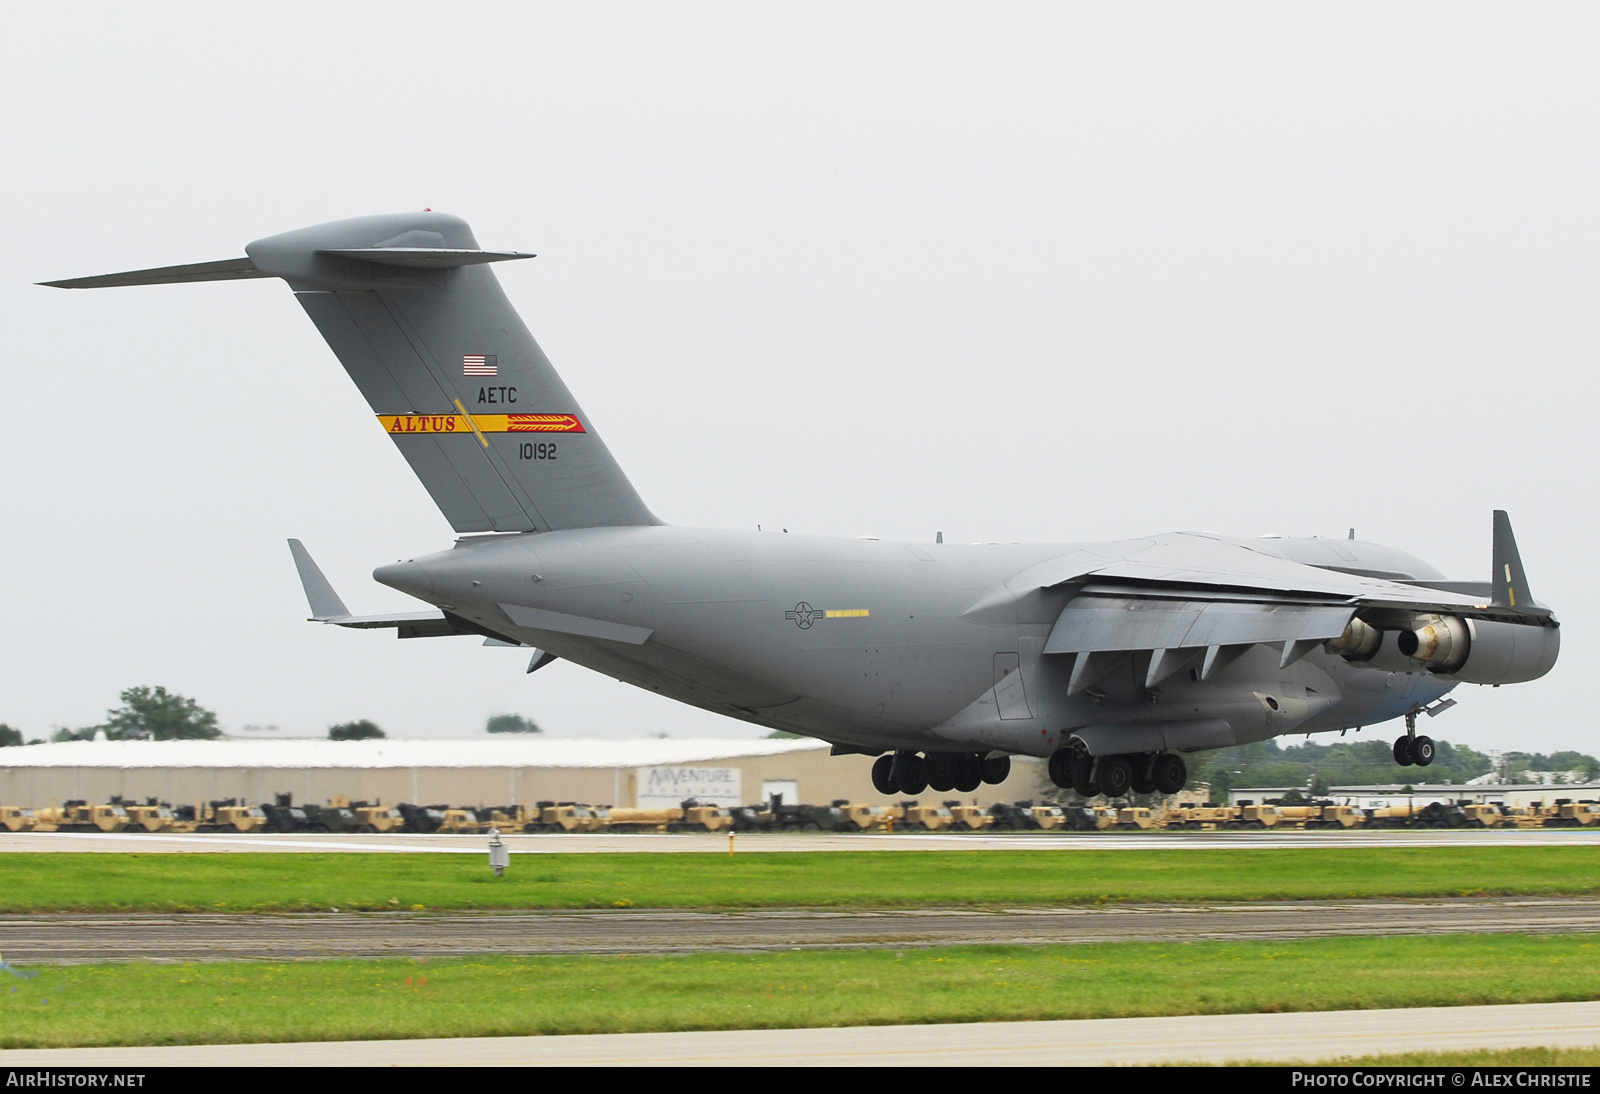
x=1102, y=624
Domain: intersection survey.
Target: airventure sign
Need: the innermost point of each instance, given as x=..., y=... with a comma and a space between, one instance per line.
x=664, y=787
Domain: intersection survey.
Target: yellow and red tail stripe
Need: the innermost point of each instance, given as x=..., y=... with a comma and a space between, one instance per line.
x=485, y=423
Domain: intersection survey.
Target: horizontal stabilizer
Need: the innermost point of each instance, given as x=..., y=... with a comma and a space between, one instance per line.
x=229, y=269
x=425, y=258
x=327, y=607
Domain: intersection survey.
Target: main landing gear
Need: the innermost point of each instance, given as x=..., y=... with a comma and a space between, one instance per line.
x=1414, y=748
x=910, y=773
x=1117, y=776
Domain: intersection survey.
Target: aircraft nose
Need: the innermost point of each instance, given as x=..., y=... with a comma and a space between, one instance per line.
x=408, y=577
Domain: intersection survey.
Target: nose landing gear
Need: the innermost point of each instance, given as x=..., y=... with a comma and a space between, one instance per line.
x=1414, y=748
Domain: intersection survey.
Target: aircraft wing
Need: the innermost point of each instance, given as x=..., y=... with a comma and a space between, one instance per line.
x=1194, y=595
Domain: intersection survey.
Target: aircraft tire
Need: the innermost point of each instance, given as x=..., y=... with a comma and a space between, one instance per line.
x=883, y=775
x=940, y=768
x=1060, y=768
x=968, y=771
x=1082, y=775
x=1116, y=776
x=910, y=773
x=1171, y=773
x=1402, y=751
x=1422, y=750
x=1143, y=777
x=996, y=769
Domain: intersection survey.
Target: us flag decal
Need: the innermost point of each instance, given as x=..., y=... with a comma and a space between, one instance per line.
x=480, y=364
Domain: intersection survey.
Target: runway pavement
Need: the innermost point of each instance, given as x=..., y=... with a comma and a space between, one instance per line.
x=66, y=939
x=1212, y=1038
x=611, y=843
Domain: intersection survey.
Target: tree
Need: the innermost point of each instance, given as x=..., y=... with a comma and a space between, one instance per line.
x=511, y=723
x=9, y=736
x=354, y=731
x=157, y=714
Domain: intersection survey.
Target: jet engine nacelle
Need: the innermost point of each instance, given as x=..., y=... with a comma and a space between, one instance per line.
x=1480, y=651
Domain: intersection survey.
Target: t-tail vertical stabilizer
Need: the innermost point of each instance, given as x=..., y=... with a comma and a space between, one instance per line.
x=408, y=304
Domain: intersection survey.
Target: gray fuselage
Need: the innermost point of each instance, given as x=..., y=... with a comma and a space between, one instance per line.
x=863, y=642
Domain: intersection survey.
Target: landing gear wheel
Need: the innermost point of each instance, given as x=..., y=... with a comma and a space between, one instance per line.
x=1143, y=779
x=1082, y=772
x=1116, y=776
x=996, y=769
x=1171, y=773
x=883, y=775
x=1402, y=751
x=910, y=773
x=941, y=771
x=968, y=772
x=1422, y=750
x=1060, y=769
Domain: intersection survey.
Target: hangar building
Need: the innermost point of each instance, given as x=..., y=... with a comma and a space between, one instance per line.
x=653, y=772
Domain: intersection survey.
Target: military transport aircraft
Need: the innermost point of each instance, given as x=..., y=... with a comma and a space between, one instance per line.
x=1114, y=660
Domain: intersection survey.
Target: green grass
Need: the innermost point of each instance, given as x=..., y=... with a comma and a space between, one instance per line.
x=113, y=1004
x=443, y=882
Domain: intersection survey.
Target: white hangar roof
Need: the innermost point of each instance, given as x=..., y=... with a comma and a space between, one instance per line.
x=389, y=752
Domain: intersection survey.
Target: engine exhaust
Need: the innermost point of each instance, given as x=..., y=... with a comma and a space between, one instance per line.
x=1440, y=642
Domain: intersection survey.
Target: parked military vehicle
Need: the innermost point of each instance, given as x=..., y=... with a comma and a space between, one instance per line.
x=377, y=817
x=702, y=818
x=1137, y=817
x=926, y=818
x=284, y=816
x=231, y=815
x=644, y=820
x=566, y=817
x=78, y=815
x=152, y=816
x=14, y=818
x=1571, y=814
x=871, y=818
x=970, y=817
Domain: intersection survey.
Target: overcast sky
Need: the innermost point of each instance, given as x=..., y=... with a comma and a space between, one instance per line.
x=1010, y=272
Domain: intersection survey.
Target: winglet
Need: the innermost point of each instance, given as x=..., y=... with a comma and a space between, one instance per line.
x=1509, y=580
x=325, y=603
